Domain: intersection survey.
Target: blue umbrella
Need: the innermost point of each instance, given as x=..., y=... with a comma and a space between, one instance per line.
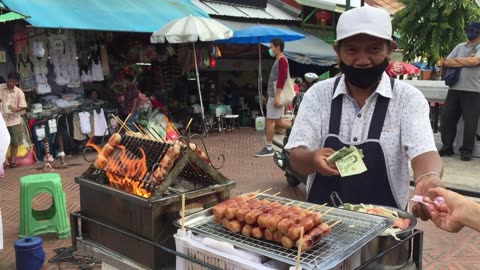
x=261, y=34
x=258, y=34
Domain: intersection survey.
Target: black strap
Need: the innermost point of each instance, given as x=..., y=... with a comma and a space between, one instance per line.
x=378, y=118
x=336, y=111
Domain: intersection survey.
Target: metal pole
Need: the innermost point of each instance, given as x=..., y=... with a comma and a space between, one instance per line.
x=362, y=3
x=347, y=6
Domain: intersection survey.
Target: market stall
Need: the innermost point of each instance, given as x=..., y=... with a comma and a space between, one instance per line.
x=177, y=210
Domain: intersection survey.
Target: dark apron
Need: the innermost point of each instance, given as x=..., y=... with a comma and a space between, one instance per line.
x=370, y=187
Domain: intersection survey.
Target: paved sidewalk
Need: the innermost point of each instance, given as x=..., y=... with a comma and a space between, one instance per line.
x=441, y=250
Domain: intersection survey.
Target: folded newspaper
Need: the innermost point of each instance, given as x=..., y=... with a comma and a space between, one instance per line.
x=349, y=161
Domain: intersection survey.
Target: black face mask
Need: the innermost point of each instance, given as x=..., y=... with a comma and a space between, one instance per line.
x=363, y=77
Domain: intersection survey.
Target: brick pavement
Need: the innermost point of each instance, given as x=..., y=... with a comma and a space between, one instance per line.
x=441, y=250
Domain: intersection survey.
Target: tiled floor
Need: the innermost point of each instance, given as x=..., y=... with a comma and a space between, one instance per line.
x=441, y=250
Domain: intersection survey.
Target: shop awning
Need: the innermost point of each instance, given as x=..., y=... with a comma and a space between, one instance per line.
x=105, y=15
x=9, y=15
x=310, y=50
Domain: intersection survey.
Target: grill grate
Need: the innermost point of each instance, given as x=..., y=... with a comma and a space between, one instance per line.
x=355, y=230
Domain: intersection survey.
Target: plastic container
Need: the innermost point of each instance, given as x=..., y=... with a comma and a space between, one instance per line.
x=186, y=244
x=29, y=254
x=260, y=123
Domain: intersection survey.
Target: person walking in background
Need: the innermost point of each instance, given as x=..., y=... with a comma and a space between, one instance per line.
x=13, y=105
x=463, y=98
x=279, y=75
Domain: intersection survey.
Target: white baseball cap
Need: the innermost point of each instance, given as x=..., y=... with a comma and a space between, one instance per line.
x=365, y=20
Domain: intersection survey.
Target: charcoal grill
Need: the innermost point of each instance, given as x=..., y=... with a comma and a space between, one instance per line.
x=146, y=218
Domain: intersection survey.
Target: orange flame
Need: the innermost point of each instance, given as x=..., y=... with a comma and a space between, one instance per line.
x=122, y=170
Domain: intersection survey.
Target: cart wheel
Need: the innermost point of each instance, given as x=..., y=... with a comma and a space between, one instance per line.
x=292, y=180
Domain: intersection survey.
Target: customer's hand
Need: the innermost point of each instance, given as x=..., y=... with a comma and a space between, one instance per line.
x=323, y=167
x=450, y=214
x=422, y=189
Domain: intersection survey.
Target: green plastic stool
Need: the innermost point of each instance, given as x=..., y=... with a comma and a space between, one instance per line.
x=52, y=220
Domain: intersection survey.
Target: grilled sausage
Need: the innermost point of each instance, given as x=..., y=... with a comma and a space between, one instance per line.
x=219, y=210
x=268, y=235
x=100, y=162
x=263, y=220
x=235, y=226
x=284, y=225
x=247, y=230
x=287, y=242
x=107, y=150
x=230, y=212
x=115, y=139
x=252, y=216
x=277, y=236
x=257, y=232
x=272, y=223
x=240, y=215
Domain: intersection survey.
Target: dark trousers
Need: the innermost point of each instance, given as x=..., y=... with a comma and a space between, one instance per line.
x=467, y=105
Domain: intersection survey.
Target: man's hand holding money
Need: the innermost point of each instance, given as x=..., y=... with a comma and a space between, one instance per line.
x=325, y=168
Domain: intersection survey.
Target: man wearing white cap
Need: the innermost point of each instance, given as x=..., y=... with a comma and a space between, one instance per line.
x=386, y=118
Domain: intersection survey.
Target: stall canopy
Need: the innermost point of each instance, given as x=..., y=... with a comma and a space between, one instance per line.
x=332, y=5
x=9, y=15
x=310, y=50
x=105, y=15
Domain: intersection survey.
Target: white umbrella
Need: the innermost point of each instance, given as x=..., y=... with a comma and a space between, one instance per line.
x=192, y=29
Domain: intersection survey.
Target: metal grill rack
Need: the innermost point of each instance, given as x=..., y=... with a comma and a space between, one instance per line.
x=355, y=230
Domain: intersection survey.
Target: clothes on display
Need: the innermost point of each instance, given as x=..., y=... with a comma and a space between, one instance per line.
x=85, y=126
x=99, y=123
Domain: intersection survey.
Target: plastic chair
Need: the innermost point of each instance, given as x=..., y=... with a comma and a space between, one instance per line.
x=52, y=220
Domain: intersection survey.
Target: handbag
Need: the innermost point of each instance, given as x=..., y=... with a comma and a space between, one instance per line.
x=288, y=92
x=452, y=75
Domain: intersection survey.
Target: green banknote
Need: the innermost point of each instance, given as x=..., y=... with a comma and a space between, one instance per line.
x=340, y=154
x=351, y=164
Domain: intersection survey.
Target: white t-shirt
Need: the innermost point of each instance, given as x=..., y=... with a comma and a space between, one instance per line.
x=406, y=132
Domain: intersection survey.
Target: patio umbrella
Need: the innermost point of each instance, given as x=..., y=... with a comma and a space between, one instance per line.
x=192, y=29
x=401, y=68
x=258, y=34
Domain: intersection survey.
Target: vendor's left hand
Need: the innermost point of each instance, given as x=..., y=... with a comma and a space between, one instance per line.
x=422, y=188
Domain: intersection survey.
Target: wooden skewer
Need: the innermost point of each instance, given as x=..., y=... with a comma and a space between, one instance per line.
x=122, y=124
x=287, y=204
x=138, y=128
x=326, y=212
x=183, y=211
x=258, y=194
x=316, y=207
x=299, y=253
x=188, y=125
x=276, y=194
x=175, y=128
x=334, y=224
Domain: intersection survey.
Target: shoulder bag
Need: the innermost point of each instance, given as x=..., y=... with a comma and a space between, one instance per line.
x=452, y=75
x=288, y=92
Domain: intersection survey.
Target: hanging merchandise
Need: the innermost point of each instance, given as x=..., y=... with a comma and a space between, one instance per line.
x=25, y=69
x=95, y=62
x=52, y=126
x=63, y=53
x=20, y=39
x=99, y=123
x=85, y=125
x=40, y=132
x=104, y=59
x=38, y=49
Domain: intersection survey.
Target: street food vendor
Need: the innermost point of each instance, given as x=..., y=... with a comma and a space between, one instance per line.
x=387, y=119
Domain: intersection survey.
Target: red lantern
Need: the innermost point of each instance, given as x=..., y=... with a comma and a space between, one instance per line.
x=323, y=16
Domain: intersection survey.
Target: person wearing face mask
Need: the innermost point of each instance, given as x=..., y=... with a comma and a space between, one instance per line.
x=278, y=73
x=463, y=98
x=386, y=118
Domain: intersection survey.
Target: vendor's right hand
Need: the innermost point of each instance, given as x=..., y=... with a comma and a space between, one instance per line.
x=323, y=167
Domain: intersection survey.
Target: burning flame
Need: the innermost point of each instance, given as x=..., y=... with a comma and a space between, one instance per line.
x=123, y=171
